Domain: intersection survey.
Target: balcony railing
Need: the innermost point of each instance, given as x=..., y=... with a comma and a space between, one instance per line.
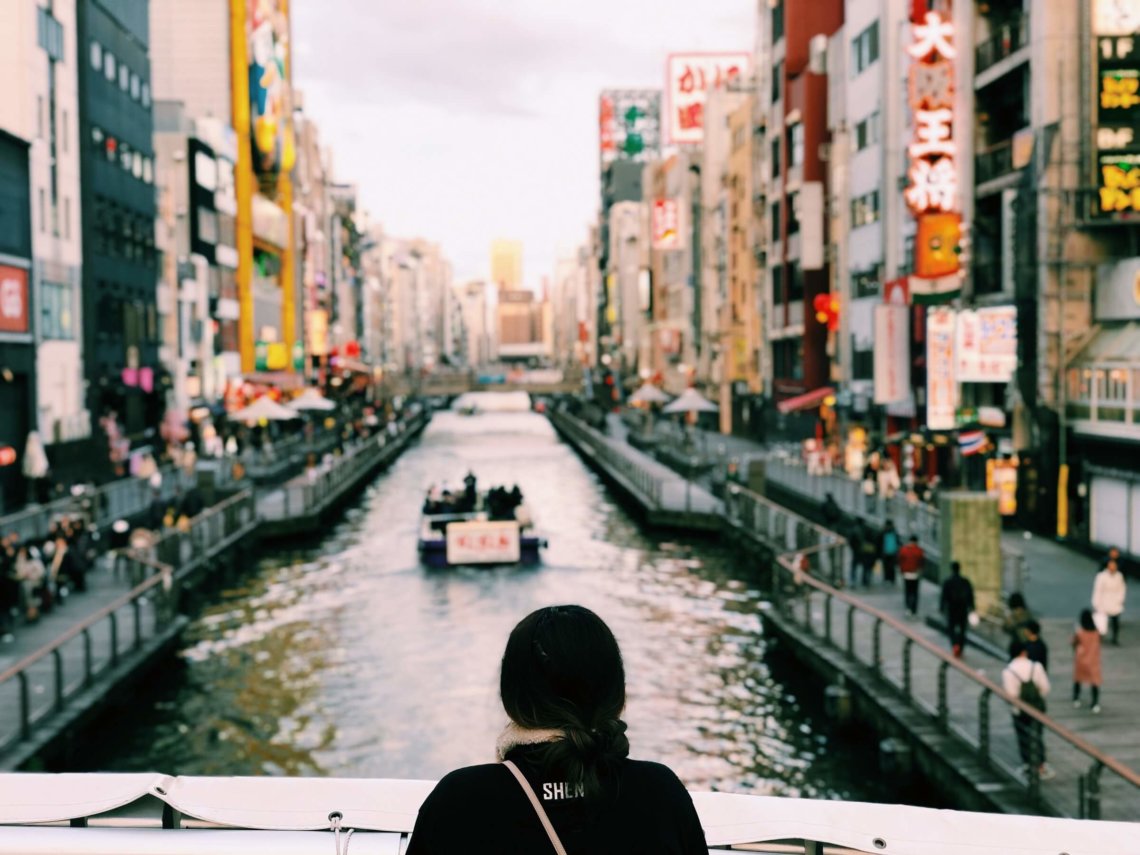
x=1007, y=40
x=993, y=162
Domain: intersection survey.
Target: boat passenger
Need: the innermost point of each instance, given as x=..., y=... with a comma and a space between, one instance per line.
x=564, y=782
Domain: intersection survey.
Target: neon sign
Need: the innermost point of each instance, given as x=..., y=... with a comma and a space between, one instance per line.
x=933, y=172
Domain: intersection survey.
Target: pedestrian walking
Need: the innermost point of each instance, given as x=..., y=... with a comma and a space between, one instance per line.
x=1109, y=592
x=1017, y=617
x=911, y=561
x=1086, y=660
x=1027, y=681
x=957, y=603
x=868, y=553
x=889, y=545
x=855, y=544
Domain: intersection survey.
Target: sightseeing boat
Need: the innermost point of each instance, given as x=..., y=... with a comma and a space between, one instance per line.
x=494, y=529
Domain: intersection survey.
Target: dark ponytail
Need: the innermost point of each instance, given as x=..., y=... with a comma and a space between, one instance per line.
x=562, y=669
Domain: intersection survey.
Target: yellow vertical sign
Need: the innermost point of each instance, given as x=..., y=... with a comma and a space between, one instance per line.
x=285, y=197
x=243, y=180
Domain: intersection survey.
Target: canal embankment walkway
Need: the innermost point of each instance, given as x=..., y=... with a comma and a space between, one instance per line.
x=87, y=650
x=899, y=675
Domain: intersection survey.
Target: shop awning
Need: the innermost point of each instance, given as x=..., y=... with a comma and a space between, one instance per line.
x=806, y=401
x=1112, y=343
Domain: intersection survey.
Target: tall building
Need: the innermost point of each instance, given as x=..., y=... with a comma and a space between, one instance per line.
x=120, y=260
x=506, y=264
x=41, y=341
x=474, y=307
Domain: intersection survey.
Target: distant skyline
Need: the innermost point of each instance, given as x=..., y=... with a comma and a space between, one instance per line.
x=463, y=121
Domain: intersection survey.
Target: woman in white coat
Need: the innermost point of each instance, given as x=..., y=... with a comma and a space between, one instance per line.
x=1109, y=591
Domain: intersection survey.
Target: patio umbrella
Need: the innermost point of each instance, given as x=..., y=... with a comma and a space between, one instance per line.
x=311, y=399
x=691, y=401
x=264, y=408
x=649, y=394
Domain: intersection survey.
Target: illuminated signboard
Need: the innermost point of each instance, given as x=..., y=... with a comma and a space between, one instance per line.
x=690, y=76
x=932, y=193
x=629, y=125
x=1116, y=24
x=666, y=228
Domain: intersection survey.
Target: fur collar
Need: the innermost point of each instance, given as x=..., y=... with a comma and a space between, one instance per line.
x=514, y=735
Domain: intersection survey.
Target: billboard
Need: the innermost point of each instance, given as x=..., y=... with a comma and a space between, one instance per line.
x=941, y=379
x=14, y=316
x=986, y=345
x=1117, y=80
x=892, y=353
x=271, y=101
x=666, y=224
x=629, y=125
x=689, y=77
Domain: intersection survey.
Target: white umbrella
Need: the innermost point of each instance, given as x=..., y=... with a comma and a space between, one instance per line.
x=263, y=408
x=311, y=399
x=692, y=401
x=35, y=458
x=649, y=394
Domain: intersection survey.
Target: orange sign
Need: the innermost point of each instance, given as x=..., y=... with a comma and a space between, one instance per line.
x=936, y=245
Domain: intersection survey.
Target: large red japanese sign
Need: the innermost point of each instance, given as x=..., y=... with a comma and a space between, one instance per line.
x=13, y=299
x=689, y=77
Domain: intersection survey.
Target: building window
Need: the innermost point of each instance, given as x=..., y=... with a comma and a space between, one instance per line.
x=137, y=165
x=50, y=33
x=795, y=283
x=135, y=86
x=866, y=132
x=96, y=56
x=777, y=21
x=788, y=359
x=908, y=256
x=796, y=145
x=776, y=232
x=866, y=283
x=865, y=209
x=40, y=117
x=865, y=49
x=66, y=218
x=109, y=66
x=124, y=77
x=148, y=171
x=145, y=95
x=43, y=210
x=208, y=226
x=862, y=363
x=65, y=127
x=793, y=221
x=775, y=158
x=57, y=315
x=777, y=286
x=777, y=81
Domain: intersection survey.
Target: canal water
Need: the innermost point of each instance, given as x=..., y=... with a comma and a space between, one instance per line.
x=347, y=658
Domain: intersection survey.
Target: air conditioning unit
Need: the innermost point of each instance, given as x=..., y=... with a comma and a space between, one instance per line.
x=817, y=54
x=824, y=152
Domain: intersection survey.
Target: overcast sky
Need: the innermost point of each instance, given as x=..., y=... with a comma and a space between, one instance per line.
x=466, y=120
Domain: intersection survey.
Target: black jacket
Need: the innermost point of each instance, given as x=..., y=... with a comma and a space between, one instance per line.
x=483, y=809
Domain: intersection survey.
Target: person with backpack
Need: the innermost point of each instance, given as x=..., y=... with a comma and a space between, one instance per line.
x=957, y=603
x=1027, y=681
x=868, y=553
x=889, y=545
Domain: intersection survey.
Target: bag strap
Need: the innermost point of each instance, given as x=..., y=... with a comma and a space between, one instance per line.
x=537, y=805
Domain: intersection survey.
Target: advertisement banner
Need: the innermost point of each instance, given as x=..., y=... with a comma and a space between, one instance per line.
x=689, y=77
x=666, y=224
x=483, y=543
x=1117, y=114
x=892, y=354
x=317, y=326
x=941, y=382
x=986, y=345
x=629, y=125
x=13, y=300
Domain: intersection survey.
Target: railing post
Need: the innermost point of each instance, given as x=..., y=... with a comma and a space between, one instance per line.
x=850, y=631
x=136, y=612
x=943, y=701
x=877, y=646
x=25, y=707
x=114, y=638
x=827, y=618
x=908, y=686
x=57, y=671
x=87, y=658
x=1092, y=790
x=984, y=726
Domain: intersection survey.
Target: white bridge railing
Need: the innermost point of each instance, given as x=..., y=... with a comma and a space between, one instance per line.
x=154, y=814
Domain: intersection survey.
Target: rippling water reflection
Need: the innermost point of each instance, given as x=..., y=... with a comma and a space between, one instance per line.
x=349, y=658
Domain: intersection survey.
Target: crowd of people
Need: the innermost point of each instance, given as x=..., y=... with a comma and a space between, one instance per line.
x=37, y=576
